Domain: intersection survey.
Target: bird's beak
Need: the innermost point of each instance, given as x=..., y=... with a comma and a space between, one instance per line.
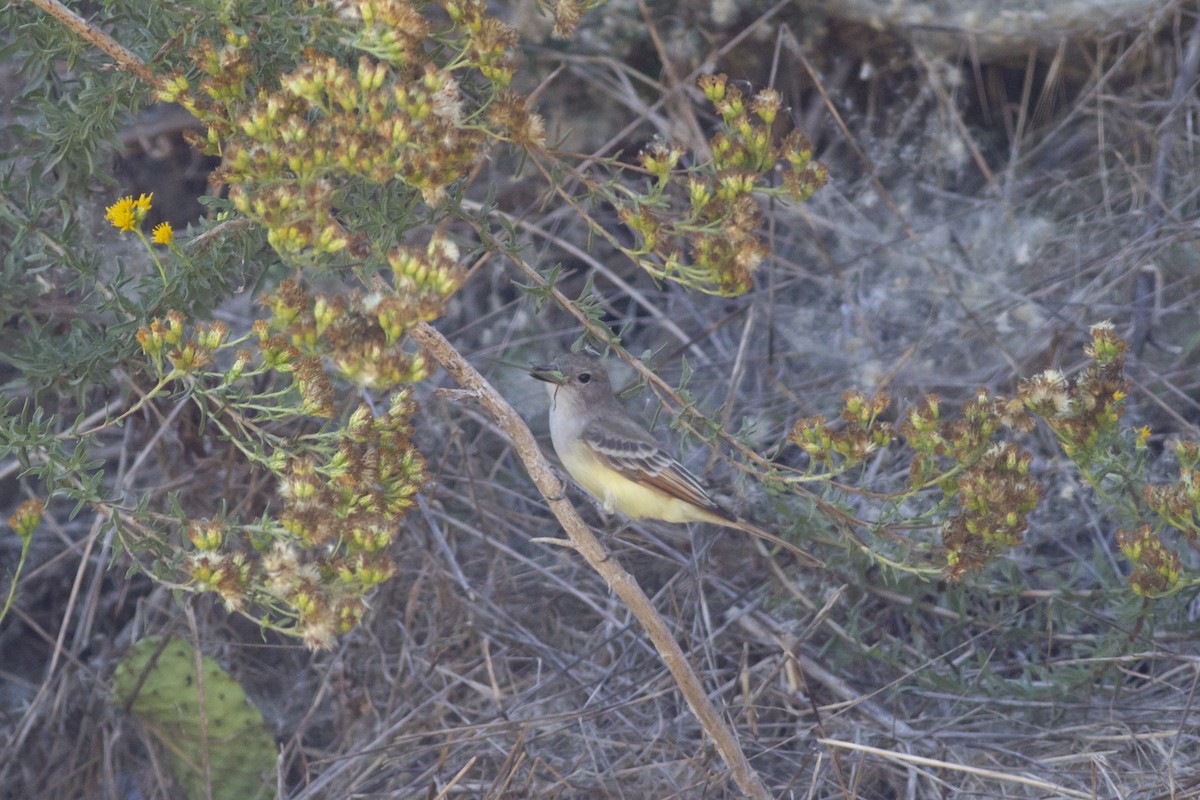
x=548, y=373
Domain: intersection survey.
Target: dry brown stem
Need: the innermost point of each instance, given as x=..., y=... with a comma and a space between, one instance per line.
x=582, y=540
x=125, y=58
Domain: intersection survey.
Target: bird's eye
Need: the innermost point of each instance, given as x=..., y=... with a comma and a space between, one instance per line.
x=585, y=377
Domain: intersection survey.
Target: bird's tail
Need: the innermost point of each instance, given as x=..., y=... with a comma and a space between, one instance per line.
x=754, y=530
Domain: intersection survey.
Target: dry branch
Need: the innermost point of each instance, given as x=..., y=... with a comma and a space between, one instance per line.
x=125, y=58
x=581, y=539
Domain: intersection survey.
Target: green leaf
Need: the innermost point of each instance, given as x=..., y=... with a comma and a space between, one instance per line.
x=157, y=681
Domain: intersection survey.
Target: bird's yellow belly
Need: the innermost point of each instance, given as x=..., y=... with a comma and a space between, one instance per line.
x=618, y=493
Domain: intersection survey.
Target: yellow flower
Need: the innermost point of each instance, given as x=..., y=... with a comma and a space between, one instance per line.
x=127, y=213
x=163, y=233
x=120, y=214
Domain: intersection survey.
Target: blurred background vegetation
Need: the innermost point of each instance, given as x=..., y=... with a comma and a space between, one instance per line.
x=998, y=181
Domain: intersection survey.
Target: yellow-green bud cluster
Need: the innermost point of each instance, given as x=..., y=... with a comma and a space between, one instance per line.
x=719, y=229
x=862, y=434
x=343, y=516
x=331, y=541
x=1083, y=412
x=986, y=490
x=360, y=335
x=293, y=152
x=995, y=496
x=186, y=357
x=1155, y=568
x=26, y=518
x=343, y=490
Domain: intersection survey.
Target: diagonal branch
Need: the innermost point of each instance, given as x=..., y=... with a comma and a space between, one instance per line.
x=125, y=58
x=581, y=539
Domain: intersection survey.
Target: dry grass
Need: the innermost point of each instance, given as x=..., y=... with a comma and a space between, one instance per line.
x=979, y=217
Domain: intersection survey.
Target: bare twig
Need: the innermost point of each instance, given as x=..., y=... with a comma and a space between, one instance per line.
x=125, y=58
x=582, y=540
x=995, y=775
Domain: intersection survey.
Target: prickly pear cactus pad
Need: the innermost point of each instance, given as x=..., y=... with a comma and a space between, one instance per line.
x=240, y=752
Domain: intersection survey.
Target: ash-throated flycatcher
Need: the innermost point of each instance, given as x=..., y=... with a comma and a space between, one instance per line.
x=618, y=461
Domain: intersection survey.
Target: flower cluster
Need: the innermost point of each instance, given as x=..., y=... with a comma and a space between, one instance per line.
x=343, y=490
x=212, y=568
x=301, y=158
x=963, y=440
x=23, y=521
x=1178, y=503
x=985, y=488
x=329, y=545
x=862, y=434
x=341, y=517
x=26, y=518
x=186, y=357
x=985, y=482
x=995, y=495
x=362, y=336
x=567, y=14
x=720, y=226
x=1083, y=412
x=1155, y=568
x=127, y=215
x=982, y=488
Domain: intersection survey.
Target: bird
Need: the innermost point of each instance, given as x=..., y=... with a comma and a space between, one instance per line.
x=620, y=463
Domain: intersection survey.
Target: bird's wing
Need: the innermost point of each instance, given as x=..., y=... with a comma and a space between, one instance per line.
x=641, y=459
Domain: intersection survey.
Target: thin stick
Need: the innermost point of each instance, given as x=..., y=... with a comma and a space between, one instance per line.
x=585, y=543
x=933, y=762
x=126, y=59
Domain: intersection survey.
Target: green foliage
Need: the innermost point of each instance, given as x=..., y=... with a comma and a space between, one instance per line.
x=699, y=226
x=214, y=738
x=308, y=150
x=351, y=134
x=343, y=127
x=305, y=567
x=975, y=485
